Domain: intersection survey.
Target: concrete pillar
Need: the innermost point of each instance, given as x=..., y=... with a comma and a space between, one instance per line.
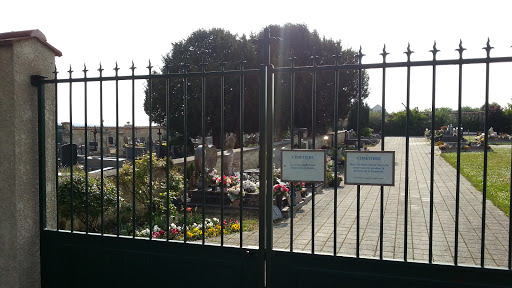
x=23, y=54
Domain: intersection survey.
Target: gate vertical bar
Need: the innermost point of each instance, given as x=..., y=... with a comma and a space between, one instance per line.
x=313, y=135
x=167, y=162
x=71, y=146
x=406, y=202
x=150, y=98
x=101, y=148
x=185, y=142
x=203, y=142
x=459, y=139
x=292, y=128
x=358, y=128
x=241, y=135
x=223, y=185
x=56, y=148
x=86, y=170
x=133, y=152
x=262, y=163
x=486, y=143
x=382, y=147
x=432, y=167
x=336, y=152
x=118, y=221
x=270, y=141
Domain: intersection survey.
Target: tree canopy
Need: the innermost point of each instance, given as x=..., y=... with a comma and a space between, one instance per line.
x=207, y=49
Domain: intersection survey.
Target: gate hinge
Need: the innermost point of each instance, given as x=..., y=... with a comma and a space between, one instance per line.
x=35, y=80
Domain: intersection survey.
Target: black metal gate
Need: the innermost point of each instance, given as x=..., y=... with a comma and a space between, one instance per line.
x=85, y=259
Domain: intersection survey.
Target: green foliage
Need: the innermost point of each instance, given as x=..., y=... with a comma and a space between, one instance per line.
x=496, y=117
x=364, y=116
x=469, y=109
x=87, y=200
x=508, y=118
x=375, y=120
x=395, y=125
x=158, y=184
x=218, y=45
x=366, y=132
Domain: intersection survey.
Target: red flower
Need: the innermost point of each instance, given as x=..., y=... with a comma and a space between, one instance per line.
x=189, y=209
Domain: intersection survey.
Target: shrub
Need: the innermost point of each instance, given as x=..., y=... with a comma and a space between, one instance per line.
x=158, y=184
x=77, y=190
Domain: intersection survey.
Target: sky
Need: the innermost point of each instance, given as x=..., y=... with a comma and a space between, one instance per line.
x=94, y=32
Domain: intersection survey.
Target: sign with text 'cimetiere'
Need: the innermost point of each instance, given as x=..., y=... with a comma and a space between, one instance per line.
x=370, y=168
x=303, y=165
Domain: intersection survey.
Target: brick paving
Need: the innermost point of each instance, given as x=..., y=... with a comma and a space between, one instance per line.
x=497, y=235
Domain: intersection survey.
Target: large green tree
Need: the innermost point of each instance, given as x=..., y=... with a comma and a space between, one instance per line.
x=211, y=47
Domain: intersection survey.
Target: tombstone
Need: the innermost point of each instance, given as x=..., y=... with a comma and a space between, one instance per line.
x=277, y=157
x=93, y=146
x=161, y=151
x=210, y=157
x=68, y=155
x=139, y=151
x=228, y=163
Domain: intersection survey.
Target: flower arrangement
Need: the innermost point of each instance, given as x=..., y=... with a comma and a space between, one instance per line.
x=334, y=181
x=250, y=186
x=235, y=193
x=226, y=180
x=329, y=163
x=212, y=228
x=280, y=189
x=212, y=177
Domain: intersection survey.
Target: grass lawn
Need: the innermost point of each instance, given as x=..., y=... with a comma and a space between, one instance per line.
x=498, y=173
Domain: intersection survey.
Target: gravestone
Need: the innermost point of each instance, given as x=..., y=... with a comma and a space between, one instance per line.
x=139, y=151
x=228, y=163
x=277, y=157
x=68, y=155
x=210, y=157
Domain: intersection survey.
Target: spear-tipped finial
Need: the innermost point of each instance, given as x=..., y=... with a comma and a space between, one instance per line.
x=434, y=50
x=488, y=48
x=70, y=71
x=149, y=65
x=100, y=69
x=116, y=68
x=85, y=71
x=55, y=72
x=203, y=64
x=222, y=63
x=133, y=67
x=336, y=58
x=384, y=54
x=242, y=63
x=314, y=58
x=460, y=49
x=409, y=52
x=360, y=54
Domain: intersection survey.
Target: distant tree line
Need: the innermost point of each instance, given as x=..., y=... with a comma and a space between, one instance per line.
x=472, y=119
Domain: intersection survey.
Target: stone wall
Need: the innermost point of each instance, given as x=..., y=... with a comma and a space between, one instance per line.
x=23, y=54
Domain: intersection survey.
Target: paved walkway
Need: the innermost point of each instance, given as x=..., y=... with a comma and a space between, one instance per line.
x=496, y=240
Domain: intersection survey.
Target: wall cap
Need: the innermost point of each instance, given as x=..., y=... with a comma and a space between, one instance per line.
x=8, y=38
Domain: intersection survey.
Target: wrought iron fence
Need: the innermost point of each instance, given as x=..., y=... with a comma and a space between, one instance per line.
x=265, y=83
